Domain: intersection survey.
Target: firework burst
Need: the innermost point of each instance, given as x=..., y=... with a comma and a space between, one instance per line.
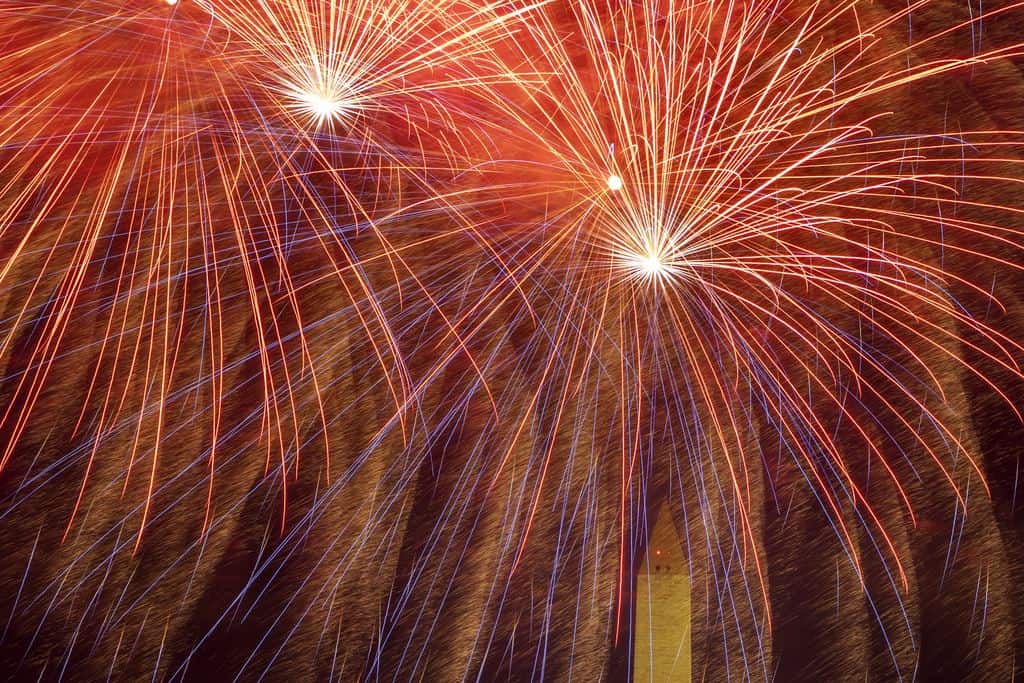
x=167, y=147
x=727, y=242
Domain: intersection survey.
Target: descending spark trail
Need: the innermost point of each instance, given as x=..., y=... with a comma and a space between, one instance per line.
x=504, y=277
